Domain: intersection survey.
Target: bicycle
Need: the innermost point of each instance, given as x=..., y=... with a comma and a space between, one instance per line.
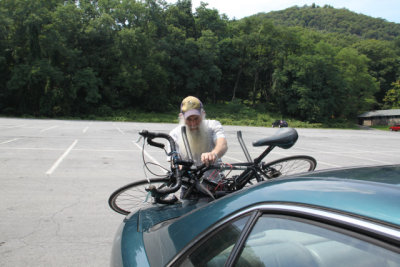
x=183, y=173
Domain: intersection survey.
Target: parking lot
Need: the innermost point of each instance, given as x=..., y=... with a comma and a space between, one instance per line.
x=56, y=177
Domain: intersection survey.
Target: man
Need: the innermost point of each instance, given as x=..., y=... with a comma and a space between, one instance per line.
x=206, y=138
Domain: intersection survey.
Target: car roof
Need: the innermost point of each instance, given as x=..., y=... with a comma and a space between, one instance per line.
x=371, y=192
x=386, y=174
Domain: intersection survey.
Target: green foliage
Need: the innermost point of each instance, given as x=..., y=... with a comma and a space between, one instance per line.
x=244, y=115
x=392, y=97
x=330, y=19
x=106, y=58
x=383, y=63
x=359, y=86
x=381, y=127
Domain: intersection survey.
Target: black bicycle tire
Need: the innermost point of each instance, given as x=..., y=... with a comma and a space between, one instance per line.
x=124, y=201
x=290, y=168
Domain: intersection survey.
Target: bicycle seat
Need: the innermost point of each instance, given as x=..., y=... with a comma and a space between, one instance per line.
x=284, y=138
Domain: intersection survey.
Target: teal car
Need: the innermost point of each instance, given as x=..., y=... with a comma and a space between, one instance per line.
x=341, y=217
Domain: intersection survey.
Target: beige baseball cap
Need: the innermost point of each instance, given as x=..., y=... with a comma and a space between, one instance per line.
x=191, y=106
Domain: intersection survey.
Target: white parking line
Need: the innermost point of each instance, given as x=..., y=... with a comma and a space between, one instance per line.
x=84, y=130
x=60, y=159
x=57, y=149
x=15, y=126
x=120, y=130
x=9, y=141
x=147, y=154
x=52, y=127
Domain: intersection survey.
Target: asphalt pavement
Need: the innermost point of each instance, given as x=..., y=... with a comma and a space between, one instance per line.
x=56, y=177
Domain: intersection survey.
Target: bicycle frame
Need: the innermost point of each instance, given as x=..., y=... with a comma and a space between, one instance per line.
x=253, y=167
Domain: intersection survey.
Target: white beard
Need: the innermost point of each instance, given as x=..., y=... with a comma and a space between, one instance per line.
x=199, y=143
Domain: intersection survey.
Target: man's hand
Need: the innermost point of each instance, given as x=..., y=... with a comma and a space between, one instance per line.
x=221, y=146
x=209, y=158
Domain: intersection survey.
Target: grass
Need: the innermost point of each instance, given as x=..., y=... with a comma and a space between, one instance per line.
x=381, y=127
x=138, y=116
x=238, y=114
x=230, y=113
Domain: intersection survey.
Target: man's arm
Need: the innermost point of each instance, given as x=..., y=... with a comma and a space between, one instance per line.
x=221, y=146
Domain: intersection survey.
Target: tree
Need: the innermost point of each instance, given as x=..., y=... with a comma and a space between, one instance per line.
x=210, y=74
x=85, y=86
x=228, y=62
x=383, y=63
x=241, y=40
x=210, y=19
x=60, y=41
x=359, y=85
x=180, y=16
x=311, y=85
x=392, y=97
x=133, y=47
x=5, y=53
x=29, y=74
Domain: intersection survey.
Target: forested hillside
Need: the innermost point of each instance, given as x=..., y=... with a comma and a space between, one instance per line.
x=67, y=58
x=330, y=19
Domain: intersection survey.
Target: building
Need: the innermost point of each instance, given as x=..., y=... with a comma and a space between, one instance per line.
x=380, y=117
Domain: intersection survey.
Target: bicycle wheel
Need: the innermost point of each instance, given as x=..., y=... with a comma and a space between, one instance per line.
x=289, y=165
x=134, y=196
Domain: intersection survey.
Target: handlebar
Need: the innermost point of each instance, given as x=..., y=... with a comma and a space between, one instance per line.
x=150, y=136
x=152, y=143
x=176, y=160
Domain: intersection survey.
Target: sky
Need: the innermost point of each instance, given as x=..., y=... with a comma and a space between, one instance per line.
x=385, y=9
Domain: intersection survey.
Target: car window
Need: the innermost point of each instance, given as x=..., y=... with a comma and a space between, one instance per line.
x=280, y=241
x=216, y=249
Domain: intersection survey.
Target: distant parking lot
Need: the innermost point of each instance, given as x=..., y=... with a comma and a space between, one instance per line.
x=56, y=176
